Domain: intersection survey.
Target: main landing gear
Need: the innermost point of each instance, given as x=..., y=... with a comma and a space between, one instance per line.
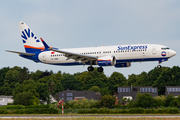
x=99, y=69
x=90, y=68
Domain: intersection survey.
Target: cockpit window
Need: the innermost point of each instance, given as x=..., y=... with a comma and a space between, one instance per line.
x=165, y=48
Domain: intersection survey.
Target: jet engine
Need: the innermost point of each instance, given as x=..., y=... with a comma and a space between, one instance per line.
x=106, y=61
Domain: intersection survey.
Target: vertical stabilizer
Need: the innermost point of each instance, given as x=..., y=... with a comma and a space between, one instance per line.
x=31, y=42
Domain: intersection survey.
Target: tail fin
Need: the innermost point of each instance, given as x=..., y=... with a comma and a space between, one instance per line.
x=31, y=43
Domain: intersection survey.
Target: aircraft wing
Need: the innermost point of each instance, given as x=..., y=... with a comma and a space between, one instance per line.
x=22, y=53
x=76, y=56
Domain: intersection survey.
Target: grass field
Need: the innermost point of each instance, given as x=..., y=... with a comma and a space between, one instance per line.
x=93, y=118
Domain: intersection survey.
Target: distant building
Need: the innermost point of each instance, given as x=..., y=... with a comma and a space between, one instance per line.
x=75, y=95
x=130, y=92
x=172, y=90
x=4, y=100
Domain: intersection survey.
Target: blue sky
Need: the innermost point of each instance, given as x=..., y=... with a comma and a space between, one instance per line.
x=87, y=23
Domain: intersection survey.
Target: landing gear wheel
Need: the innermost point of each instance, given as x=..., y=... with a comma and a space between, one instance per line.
x=100, y=69
x=159, y=66
x=90, y=68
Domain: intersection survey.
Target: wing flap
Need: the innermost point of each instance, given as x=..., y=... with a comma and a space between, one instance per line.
x=22, y=53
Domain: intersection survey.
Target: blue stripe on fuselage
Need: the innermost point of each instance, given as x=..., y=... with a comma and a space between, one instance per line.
x=117, y=61
x=36, y=59
x=141, y=60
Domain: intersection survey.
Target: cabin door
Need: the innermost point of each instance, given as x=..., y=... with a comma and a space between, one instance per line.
x=44, y=57
x=154, y=50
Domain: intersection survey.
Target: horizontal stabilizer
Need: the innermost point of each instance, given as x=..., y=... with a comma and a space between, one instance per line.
x=22, y=53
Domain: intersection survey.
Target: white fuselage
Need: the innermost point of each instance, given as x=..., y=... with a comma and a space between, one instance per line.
x=122, y=53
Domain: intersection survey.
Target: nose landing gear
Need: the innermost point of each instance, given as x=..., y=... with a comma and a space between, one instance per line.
x=159, y=66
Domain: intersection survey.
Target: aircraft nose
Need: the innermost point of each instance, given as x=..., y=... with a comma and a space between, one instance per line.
x=173, y=53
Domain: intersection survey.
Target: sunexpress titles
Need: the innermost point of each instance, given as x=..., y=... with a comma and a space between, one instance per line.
x=131, y=47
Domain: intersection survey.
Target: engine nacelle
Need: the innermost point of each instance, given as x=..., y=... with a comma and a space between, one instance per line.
x=128, y=64
x=106, y=61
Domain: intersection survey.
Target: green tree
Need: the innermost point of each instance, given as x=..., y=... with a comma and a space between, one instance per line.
x=104, y=91
x=85, y=77
x=3, y=72
x=56, y=77
x=174, y=103
x=168, y=77
x=24, y=75
x=169, y=99
x=132, y=79
x=46, y=73
x=44, y=79
x=94, y=89
x=28, y=87
x=145, y=101
x=51, y=86
x=108, y=101
x=11, y=78
x=5, y=90
x=26, y=98
x=153, y=75
x=69, y=82
x=18, y=89
x=160, y=100
x=58, y=88
x=36, y=75
x=99, y=75
x=142, y=79
x=94, y=82
x=43, y=91
x=116, y=80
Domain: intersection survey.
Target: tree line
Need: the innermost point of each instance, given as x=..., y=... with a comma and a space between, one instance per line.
x=34, y=86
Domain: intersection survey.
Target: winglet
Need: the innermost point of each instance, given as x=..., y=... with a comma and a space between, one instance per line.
x=44, y=43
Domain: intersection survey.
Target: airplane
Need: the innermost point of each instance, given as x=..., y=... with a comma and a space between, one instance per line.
x=119, y=56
